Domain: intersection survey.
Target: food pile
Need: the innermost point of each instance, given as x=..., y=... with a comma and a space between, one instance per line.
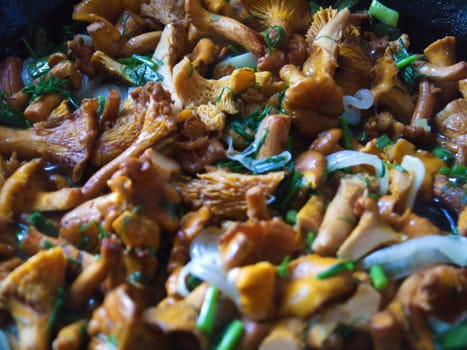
x=234, y=175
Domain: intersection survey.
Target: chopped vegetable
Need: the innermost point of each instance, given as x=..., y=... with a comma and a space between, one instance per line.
x=10, y=116
x=57, y=307
x=282, y=269
x=336, y=269
x=347, y=134
x=141, y=69
x=442, y=153
x=207, y=315
x=383, y=13
x=47, y=86
x=454, y=338
x=231, y=335
x=378, y=277
x=383, y=141
x=42, y=224
x=291, y=217
x=407, y=73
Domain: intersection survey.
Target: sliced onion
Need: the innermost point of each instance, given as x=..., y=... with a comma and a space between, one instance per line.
x=205, y=243
x=363, y=99
x=347, y=158
x=96, y=87
x=244, y=60
x=403, y=259
x=417, y=167
x=209, y=269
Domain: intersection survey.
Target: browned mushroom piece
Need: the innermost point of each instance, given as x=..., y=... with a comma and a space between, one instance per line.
x=303, y=293
x=313, y=96
x=286, y=334
x=339, y=219
x=370, y=233
x=249, y=243
x=10, y=75
x=65, y=138
x=451, y=196
x=451, y=122
x=83, y=287
x=164, y=11
x=158, y=124
x=92, y=10
x=313, y=166
x=226, y=27
x=442, y=53
x=71, y=337
x=118, y=322
x=423, y=294
x=28, y=294
x=389, y=91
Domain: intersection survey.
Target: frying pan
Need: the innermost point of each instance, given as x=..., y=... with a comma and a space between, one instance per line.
x=423, y=20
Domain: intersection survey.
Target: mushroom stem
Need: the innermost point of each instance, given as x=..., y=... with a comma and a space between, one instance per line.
x=331, y=32
x=456, y=71
x=227, y=27
x=427, y=97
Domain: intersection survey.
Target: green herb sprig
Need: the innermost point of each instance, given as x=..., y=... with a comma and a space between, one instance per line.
x=10, y=116
x=48, y=85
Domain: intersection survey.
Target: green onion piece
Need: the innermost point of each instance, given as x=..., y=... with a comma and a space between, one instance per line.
x=42, y=224
x=231, y=336
x=282, y=269
x=383, y=13
x=207, y=315
x=233, y=49
x=310, y=238
x=101, y=105
x=442, y=153
x=47, y=245
x=57, y=307
x=406, y=61
x=291, y=217
x=383, y=141
x=378, y=277
x=192, y=282
x=347, y=137
x=336, y=269
x=454, y=338
x=394, y=166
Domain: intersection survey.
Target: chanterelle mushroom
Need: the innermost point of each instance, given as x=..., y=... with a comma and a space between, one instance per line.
x=65, y=138
x=313, y=96
x=291, y=16
x=229, y=28
x=28, y=293
x=224, y=192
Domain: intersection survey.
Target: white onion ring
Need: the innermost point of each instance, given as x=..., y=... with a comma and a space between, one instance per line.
x=363, y=99
x=403, y=259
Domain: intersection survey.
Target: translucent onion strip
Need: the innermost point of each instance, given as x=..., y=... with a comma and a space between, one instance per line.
x=363, y=99
x=244, y=60
x=416, y=166
x=403, y=259
x=347, y=158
